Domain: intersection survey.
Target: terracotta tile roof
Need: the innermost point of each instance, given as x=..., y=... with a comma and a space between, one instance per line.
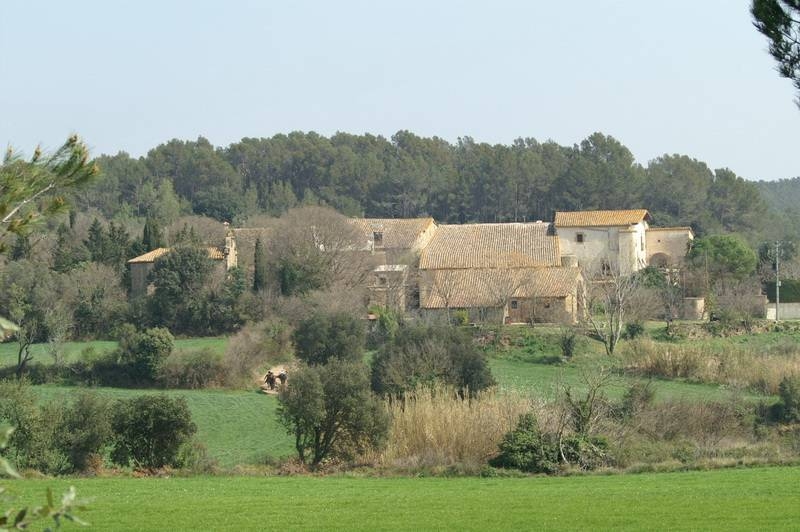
x=502, y=245
x=490, y=287
x=398, y=233
x=600, y=218
x=151, y=256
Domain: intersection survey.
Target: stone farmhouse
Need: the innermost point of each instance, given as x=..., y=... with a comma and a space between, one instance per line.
x=513, y=272
x=506, y=272
x=498, y=272
x=224, y=259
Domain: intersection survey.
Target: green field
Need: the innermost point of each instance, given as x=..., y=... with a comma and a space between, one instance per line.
x=741, y=499
x=74, y=351
x=237, y=427
x=240, y=427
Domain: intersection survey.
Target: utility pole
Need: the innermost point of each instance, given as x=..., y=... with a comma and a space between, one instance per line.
x=777, y=278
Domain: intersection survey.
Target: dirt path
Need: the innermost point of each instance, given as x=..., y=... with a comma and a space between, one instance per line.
x=275, y=371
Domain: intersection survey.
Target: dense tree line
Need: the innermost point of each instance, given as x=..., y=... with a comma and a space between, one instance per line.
x=408, y=175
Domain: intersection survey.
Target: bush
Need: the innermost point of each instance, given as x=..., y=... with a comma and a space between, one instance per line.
x=460, y=317
x=633, y=330
x=384, y=328
x=528, y=449
x=567, y=342
x=637, y=397
x=331, y=412
x=84, y=429
x=789, y=404
x=322, y=337
x=192, y=370
x=55, y=438
x=150, y=430
x=255, y=346
x=143, y=352
x=422, y=356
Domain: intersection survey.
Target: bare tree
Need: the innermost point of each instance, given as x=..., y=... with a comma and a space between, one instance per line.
x=611, y=297
x=320, y=248
x=502, y=285
x=443, y=284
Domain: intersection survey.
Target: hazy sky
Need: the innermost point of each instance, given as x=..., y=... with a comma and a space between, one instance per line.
x=684, y=76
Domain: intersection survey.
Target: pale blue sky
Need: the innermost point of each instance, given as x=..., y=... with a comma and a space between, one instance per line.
x=689, y=77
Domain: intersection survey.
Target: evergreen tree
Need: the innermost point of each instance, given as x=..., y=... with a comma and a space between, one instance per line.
x=97, y=242
x=21, y=248
x=152, y=236
x=119, y=247
x=260, y=262
x=68, y=253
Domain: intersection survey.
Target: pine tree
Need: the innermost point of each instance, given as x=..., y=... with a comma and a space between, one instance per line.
x=97, y=242
x=21, y=248
x=260, y=262
x=68, y=253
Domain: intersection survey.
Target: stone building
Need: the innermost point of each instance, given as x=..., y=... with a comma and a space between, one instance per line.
x=503, y=272
x=224, y=259
x=620, y=240
x=393, y=246
x=604, y=240
x=667, y=246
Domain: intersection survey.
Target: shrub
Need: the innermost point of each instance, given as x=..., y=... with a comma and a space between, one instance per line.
x=567, y=342
x=322, y=337
x=143, y=352
x=150, y=430
x=192, y=370
x=460, y=317
x=384, y=328
x=55, y=438
x=526, y=448
x=422, y=355
x=789, y=404
x=637, y=397
x=84, y=429
x=633, y=330
x=18, y=409
x=331, y=412
x=255, y=346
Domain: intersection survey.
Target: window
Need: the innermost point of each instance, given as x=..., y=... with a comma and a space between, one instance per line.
x=377, y=238
x=605, y=268
x=579, y=238
x=514, y=304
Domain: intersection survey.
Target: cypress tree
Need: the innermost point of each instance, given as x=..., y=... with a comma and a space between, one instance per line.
x=260, y=262
x=151, y=235
x=97, y=242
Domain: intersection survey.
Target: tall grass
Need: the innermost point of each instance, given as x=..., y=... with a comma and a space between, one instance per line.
x=434, y=427
x=757, y=369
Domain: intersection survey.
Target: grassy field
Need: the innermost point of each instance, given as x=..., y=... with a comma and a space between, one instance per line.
x=237, y=427
x=743, y=499
x=74, y=351
x=545, y=380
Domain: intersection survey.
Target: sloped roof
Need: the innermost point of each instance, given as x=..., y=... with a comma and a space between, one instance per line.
x=600, y=218
x=486, y=287
x=501, y=245
x=151, y=256
x=398, y=233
